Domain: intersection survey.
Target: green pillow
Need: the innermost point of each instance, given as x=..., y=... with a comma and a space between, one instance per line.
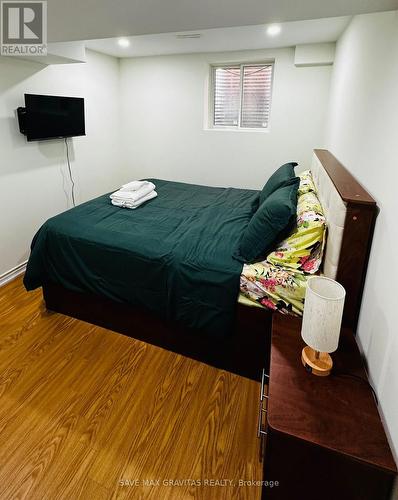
x=284, y=174
x=270, y=224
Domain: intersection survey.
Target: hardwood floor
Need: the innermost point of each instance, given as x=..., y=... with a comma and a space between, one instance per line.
x=86, y=413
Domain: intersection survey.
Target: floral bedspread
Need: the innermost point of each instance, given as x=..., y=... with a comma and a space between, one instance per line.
x=274, y=287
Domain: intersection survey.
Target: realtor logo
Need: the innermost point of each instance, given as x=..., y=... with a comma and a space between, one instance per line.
x=23, y=28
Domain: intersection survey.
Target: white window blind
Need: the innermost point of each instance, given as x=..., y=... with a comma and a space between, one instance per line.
x=242, y=95
x=226, y=96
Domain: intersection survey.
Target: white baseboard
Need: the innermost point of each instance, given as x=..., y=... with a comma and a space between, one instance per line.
x=12, y=273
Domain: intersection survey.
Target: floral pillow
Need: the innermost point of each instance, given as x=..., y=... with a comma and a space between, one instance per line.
x=303, y=249
x=306, y=183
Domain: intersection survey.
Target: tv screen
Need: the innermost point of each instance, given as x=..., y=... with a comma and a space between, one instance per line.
x=50, y=117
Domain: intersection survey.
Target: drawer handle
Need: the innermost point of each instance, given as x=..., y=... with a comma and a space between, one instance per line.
x=263, y=377
x=261, y=431
x=259, y=424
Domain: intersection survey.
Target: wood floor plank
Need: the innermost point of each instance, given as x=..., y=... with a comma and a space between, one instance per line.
x=86, y=413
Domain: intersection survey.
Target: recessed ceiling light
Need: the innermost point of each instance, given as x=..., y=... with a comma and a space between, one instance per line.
x=123, y=42
x=273, y=29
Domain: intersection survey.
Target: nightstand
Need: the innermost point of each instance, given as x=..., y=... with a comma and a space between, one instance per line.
x=323, y=436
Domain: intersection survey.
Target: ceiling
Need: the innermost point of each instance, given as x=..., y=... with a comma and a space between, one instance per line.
x=91, y=19
x=224, y=39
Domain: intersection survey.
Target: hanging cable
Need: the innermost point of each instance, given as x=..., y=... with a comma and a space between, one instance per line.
x=70, y=172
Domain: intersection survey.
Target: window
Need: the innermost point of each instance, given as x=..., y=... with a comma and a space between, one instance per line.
x=242, y=95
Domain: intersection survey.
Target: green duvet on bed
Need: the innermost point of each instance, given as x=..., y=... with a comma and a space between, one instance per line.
x=172, y=255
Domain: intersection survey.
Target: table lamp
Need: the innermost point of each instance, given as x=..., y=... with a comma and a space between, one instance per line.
x=323, y=311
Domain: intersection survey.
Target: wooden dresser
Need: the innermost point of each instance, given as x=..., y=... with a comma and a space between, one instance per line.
x=323, y=436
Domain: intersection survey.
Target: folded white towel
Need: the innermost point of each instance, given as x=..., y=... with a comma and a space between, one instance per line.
x=133, y=196
x=136, y=185
x=124, y=203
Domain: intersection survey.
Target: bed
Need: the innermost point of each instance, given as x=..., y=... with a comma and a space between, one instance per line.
x=172, y=256
x=176, y=284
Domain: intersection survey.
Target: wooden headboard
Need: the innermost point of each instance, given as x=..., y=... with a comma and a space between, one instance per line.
x=356, y=235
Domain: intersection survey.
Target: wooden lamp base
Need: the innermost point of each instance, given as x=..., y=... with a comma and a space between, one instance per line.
x=315, y=362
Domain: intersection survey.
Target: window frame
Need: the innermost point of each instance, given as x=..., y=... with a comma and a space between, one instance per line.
x=212, y=81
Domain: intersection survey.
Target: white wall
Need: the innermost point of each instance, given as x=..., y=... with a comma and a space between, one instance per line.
x=163, y=115
x=363, y=134
x=34, y=182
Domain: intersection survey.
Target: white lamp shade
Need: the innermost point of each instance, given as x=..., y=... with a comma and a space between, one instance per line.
x=323, y=311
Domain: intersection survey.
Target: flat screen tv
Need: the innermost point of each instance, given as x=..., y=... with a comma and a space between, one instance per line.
x=53, y=117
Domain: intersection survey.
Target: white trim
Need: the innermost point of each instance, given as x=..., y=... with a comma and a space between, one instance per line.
x=242, y=74
x=245, y=130
x=12, y=273
x=209, y=121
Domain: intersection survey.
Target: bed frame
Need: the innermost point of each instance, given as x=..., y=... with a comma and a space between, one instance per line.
x=246, y=351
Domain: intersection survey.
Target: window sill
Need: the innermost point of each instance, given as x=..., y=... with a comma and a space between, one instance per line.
x=244, y=130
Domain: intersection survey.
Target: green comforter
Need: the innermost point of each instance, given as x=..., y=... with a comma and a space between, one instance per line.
x=172, y=255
